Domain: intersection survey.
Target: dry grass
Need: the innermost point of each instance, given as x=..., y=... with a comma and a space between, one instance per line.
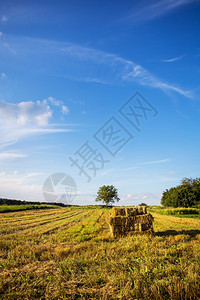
x=68, y=253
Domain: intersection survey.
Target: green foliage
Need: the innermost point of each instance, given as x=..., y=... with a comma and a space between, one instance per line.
x=142, y=204
x=186, y=194
x=107, y=194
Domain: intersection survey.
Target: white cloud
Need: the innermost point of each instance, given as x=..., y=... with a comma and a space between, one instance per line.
x=150, y=10
x=55, y=102
x=19, y=120
x=25, y=113
x=155, y=162
x=4, y=18
x=87, y=64
x=65, y=109
x=9, y=48
x=173, y=59
x=137, y=198
x=107, y=68
x=11, y=155
x=143, y=77
x=3, y=76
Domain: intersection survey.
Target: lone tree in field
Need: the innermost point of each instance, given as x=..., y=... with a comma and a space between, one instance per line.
x=107, y=194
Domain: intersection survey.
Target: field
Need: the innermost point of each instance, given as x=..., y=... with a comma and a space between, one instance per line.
x=68, y=253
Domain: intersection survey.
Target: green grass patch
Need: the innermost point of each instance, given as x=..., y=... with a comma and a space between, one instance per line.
x=14, y=208
x=180, y=212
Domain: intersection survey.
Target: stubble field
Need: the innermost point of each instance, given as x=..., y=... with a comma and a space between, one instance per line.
x=68, y=253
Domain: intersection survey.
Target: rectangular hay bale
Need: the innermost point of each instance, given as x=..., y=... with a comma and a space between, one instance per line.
x=122, y=225
x=118, y=225
x=131, y=211
x=140, y=210
x=118, y=211
x=144, y=209
x=130, y=223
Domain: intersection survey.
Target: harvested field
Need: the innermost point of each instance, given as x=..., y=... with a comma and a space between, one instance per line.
x=68, y=253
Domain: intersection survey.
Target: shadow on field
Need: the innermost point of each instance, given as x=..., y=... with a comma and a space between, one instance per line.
x=177, y=232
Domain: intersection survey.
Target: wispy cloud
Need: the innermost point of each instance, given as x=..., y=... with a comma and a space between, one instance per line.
x=143, y=77
x=113, y=171
x=3, y=76
x=75, y=62
x=154, y=162
x=4, y=19
x=173, y=59
x=55, y=102
x=11, y=155
x=150, y=10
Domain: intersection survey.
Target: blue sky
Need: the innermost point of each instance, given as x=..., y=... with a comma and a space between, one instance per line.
x=66, y=69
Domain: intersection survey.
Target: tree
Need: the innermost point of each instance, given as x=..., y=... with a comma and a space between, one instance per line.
x=142, y=204
x=107, y=194
x=186, y=194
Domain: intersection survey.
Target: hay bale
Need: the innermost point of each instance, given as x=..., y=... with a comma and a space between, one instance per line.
x=118, y=225
x=140, y=210
x=145, y=222
x=118, y=211
x=131, y=211
x=130, y=224
x=125, y=221
x=147, y=218
x=144, y=208
x=137, y=226
x=146, y=226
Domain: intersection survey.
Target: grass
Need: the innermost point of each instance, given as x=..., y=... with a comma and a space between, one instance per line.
x=68, y=253
x=180, y=212
x=12, y=208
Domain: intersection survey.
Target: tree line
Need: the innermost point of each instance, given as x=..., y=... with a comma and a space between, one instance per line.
x=186, y=194
x=4, y=201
